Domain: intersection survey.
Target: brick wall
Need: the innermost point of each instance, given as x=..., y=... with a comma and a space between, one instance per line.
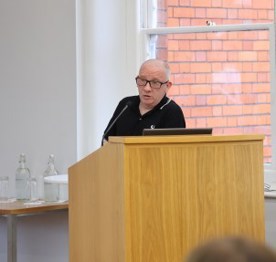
x=221, y=80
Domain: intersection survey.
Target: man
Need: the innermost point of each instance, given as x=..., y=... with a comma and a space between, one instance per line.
x=151, y=109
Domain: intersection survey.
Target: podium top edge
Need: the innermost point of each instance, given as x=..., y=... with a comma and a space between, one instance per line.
x=184, y=139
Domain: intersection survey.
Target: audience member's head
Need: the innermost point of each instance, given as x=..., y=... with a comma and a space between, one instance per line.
x=232, y=249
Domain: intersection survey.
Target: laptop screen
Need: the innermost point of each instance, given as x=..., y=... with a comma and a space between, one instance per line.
x=177, y=131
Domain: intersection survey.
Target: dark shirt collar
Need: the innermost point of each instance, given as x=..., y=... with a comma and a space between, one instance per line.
x=165, y=100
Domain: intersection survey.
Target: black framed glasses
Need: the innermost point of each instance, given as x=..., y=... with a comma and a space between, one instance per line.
x=153, y=84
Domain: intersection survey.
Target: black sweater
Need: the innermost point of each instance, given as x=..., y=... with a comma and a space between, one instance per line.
x=167, y=114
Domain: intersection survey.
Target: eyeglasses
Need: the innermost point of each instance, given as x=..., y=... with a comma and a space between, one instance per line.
x=153, y=84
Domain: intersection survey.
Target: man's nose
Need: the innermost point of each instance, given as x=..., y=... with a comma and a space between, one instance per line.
x=147, y=86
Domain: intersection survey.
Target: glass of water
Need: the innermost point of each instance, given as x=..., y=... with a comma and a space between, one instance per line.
x=34, y=196
x=4, y=189
x=33, y=188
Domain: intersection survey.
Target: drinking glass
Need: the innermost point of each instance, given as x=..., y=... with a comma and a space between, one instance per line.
x=4, y=189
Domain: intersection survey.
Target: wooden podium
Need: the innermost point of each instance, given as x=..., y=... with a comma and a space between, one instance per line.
x=147, y=199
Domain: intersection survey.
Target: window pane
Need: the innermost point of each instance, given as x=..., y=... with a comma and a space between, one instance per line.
x=174, y=13
x=221, y=80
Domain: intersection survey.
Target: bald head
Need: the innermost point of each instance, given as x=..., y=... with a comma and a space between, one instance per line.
x=157, y=65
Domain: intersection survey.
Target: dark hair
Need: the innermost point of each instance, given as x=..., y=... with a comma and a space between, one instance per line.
x=232, y=249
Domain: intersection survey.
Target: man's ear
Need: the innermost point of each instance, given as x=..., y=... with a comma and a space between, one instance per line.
x=169, y=84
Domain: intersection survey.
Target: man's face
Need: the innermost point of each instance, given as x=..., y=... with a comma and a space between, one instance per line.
x=149, y=96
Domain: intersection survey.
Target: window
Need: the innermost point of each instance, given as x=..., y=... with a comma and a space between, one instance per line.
x=222, y=56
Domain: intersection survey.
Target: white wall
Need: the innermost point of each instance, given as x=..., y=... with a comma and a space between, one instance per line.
x=38, y=95
x=270, y=222
x=37, y=107
x=107, y=55
x=37, y=83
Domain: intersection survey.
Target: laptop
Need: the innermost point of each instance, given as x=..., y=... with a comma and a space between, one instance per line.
x=177, y=131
